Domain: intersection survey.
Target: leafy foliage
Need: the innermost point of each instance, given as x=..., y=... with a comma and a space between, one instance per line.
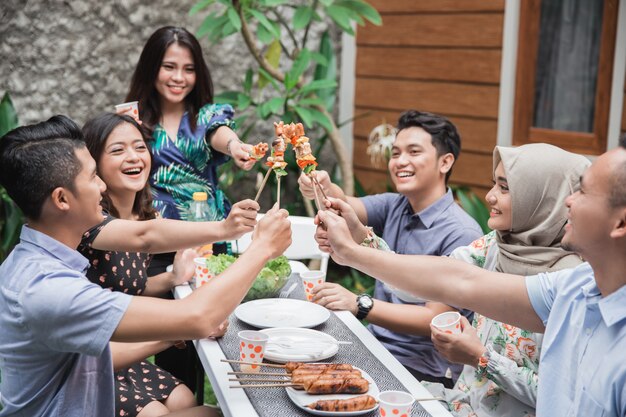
x=473, y=205
x=11, y=217
x=301, y=80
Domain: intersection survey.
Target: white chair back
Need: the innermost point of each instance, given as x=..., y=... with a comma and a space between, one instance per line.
x=303, y=244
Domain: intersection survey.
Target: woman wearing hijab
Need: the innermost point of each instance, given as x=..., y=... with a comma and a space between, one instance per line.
x=528, y=217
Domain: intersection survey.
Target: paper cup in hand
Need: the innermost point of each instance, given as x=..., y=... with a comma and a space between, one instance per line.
x=203, y=274
x=395, y=403
x=310, y=280
x=251, y=349
x=448, y=322
x=133, y=105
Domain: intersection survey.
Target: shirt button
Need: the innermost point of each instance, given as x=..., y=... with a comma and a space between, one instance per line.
x=588, y=331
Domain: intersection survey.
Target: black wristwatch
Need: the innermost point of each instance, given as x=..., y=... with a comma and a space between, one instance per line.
x=364, y=303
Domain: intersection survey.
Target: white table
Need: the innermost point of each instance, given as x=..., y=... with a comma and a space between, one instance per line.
x=235, y=403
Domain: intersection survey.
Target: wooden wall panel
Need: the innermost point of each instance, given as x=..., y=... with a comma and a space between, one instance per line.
x=478, y=135
x=469, y=30
x=454, y=64
x=437, y=97
x=373, y=181
x=441, y=56
x=437, y=6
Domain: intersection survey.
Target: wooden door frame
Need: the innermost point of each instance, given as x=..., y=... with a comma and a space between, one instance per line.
x=523, y=131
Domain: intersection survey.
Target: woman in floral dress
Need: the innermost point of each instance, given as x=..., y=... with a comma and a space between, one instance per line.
x=191, y=136
x=528, y=216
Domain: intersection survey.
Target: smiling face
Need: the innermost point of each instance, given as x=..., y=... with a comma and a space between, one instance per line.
x=591, y=218
x=124, y=164
x=499, y=200
x=87, y=194
x=177, y=75
x=414, y=165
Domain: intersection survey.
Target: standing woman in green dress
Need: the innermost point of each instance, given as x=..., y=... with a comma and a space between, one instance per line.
x=191, y=136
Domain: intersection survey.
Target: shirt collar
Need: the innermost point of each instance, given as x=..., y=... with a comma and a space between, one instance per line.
x=612, y=306
x=71, y=257
x=432, y=212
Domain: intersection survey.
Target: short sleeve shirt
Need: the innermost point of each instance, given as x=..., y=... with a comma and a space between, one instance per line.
x=437, y=230
x=582, y=368
x=56, y=326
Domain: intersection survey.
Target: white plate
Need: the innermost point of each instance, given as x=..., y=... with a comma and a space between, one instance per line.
x=281, y=312
x=301, y=399
x=299, y=345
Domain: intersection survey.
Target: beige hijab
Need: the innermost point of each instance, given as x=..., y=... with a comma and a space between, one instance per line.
x=540, y=177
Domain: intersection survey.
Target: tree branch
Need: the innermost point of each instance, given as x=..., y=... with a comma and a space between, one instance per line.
x=250, y=40
x=333, y=134
x=289, y=31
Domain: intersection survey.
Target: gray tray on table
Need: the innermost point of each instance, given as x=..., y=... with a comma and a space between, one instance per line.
x=275, y=402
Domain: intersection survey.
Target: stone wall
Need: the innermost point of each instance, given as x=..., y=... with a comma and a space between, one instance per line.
x=76, y=57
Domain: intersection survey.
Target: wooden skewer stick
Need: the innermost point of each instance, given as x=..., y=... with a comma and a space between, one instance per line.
x=278, y=199
x=258, y=380
x=429, y=399
x=258, y=193
x=264, y=385
x=259, y=373
x=270, y=365
x=320, y=186
x=317, y=199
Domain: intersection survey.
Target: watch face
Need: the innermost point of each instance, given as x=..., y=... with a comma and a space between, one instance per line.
x=365, y=302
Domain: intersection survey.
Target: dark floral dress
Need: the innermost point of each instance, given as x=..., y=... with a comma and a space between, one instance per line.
x=143, y=382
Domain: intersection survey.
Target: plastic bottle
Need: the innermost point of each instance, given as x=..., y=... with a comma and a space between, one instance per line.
x=199, y=211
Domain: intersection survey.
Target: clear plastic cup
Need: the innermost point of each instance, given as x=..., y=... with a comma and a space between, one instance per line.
x=395, y=403
x=310, y=280
x=448, y=322
x=251, y=349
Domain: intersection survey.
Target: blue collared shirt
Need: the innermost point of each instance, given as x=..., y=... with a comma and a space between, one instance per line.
x=583, y=363
x=436, y=230
x=56, y=326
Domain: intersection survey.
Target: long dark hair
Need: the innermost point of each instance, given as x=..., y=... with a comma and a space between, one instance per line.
x=96, y=132
x=147, y=70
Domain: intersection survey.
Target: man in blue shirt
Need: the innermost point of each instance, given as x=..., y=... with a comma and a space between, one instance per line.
x=582, y=311
x=422, y=218
x=56, y=325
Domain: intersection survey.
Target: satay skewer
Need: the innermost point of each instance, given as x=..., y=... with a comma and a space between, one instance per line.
x=269, y=365
x=257, y=380
x=278, y=190
x=258, y=373
x=258, y=193
x=264, y=385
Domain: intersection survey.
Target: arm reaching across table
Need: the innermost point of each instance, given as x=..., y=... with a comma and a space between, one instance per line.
x=457, y=283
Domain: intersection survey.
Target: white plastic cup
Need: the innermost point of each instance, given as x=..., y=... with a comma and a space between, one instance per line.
x=251, y=349
x=448, y=322
x=310, y=280
x=395, y=403
x=203, y=274
x=134, y=106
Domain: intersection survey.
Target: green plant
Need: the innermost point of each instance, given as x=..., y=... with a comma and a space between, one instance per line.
x=473, y=205
x=277, y=35
x=11, y=218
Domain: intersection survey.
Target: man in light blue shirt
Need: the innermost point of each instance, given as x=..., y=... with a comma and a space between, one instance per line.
x=422, y=218
x=582, y=311
x=55, y=358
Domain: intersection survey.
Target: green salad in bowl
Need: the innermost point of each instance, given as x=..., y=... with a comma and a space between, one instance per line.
x=268, y=282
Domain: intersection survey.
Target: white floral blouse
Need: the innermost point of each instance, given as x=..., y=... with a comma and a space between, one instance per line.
x=507, y=386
